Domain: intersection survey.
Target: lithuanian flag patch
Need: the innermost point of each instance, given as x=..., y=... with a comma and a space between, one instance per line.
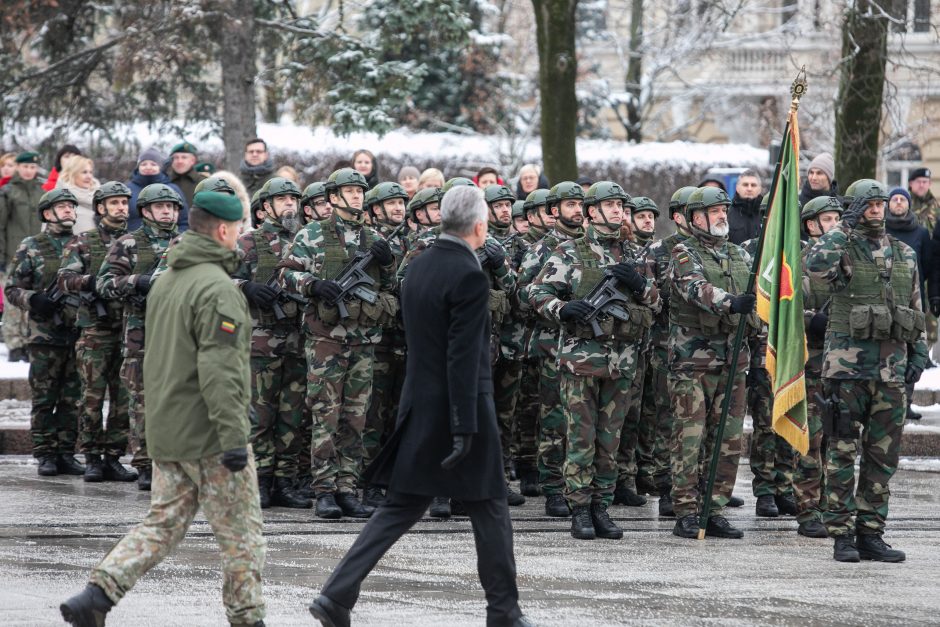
x=683, y=259
x=227, y=326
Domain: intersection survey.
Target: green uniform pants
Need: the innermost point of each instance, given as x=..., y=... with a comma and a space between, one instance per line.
x=132, y=378
x=773, y=460
x=278, y=388
x=553, y=430
x=98, y=354
x=56, y=393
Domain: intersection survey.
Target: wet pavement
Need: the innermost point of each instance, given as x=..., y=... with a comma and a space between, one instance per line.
x=54, y=530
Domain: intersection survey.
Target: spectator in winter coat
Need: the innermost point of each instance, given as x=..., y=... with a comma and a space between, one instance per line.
x=408, y=179
x=923, y=203
x=712, y=181
x=530, y=179
x=487, y=176
x=365, y=164
x=820, y=179
x=18, y=202
x=256, y=167
x=147, y=173
x=901, y=222
x=181, y=170
x=65, y=153
x=78, y=176
x=432, y=177
x=7, y=167
x=744, y=212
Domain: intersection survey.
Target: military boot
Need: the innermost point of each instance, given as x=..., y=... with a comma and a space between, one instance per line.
x=871, y=546
x=145, y=479
x=264, y=490
x=114, y=470
x=15, y=354
x=68, y=465
x=844, y=549
x=766, y=508
x=786, y=504
x=48, y=466
x=812, y=529
x=327, y=507
x=665, y=506
x=646, y=485
x=304, y=486
x=582, y=527
x=556, y=506
x=87, y=608
x=351, y=506
x=719, y=527
x=283, y=495
x=513, y=498
x=440, y=507
x=259, y=623
x=686, y=527
x=94, y=469
x=529, y=482
x=604, y=527
x=625, y=495
x=735, y=501
x=373, y=496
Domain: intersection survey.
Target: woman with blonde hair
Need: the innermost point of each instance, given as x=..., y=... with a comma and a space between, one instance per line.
x=78, y=176
x=7, y=167
x=432, y=177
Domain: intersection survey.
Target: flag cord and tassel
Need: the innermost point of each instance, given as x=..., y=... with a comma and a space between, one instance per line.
x=797, y=89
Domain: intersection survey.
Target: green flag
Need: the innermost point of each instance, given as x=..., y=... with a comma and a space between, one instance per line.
x=780, y=297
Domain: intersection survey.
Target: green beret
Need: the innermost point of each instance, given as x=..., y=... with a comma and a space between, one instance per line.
x=204, y=167
x=27, y=157
x=223, y=206
x=184, y=147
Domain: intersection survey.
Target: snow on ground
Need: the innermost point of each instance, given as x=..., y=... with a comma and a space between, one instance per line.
x=929, y=380
x=920, y=464
x=16, y=370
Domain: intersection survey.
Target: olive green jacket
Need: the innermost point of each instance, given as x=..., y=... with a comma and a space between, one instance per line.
x=19, y=216
x=196, y=369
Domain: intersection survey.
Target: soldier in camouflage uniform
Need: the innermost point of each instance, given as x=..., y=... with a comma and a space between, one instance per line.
x=874, y=344
x=706, y=304
x=98, y=350
x=314, y=204
x=387, y=208
x=53, y=378
x=819, y=216
x=595, y=371
x=561, y=212
x=424, y=212
x=126, y=275
x=641, y=225
x=278, y=365
x=340, y=345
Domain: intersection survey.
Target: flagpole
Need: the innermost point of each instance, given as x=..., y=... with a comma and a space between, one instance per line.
x=797, y=89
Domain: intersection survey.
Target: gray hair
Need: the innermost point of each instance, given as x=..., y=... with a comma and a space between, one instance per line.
x=461, y=209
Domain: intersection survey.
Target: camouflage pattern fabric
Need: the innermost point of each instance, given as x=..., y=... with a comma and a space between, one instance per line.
x=773, y=460
x=627, y=459
x=809, y=476
x=656, y=423
x=388, y=377
x=507, y=379
x=15, y=325
x=132, y=379
x=526, y=437
x=876, y=410
x=99, y=365
x=229, y=501
x=83, y=256
x=56, y=393
x=278, y=387
x=553, y=430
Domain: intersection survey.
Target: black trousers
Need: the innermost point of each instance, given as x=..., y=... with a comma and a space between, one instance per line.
x=492, y=533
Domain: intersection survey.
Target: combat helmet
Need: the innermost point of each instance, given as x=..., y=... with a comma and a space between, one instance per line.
x=536, y=198
x=869, y=189
x=50, y=198
x=111, y=189
x=214, y=183
x=423, y=198
x=679, y=200
x=703, y=198
x=279, y=186
x=456, y=182
x=818, y=205
x=518, y=209
x=643, y=203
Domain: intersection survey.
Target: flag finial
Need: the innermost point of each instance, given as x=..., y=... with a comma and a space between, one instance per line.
x=798, y=88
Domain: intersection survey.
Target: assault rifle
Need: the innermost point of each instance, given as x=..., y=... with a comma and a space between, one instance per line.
x=140, y=300
x=354, y=281
x=60, y=299
x=283, y=297
x=605, y=298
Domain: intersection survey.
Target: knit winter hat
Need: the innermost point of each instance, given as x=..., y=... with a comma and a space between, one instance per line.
x=826, y=163
x=903, y=192
x=150, y=154
x=408, y=170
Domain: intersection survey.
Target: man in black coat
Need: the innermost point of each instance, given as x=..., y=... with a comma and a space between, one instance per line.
x=446, y=441
x=744, y=213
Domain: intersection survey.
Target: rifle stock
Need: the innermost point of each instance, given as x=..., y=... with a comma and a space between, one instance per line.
x=353, y=280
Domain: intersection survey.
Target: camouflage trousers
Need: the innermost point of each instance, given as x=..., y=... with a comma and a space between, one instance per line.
x=507, y=377
x=553, y=430
x=388, y=377
x=15, y=326
x=630, y=433
x=697, y=399
x=98, y=354
x=656, y=423
x=339, y=390
x=595, y=409
x=56, y=394
x=809, y=477
x=278, y=387
x=132, y=378
x=229, y=501
x=773, y=460
x=527, y=417
x=875, y=412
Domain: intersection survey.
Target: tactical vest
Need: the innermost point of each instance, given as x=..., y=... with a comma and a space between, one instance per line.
x=98, y=252
x=499, y=304
x=265, y=269
x=730, y=275
x=870, y=306
x=816, y=298
x=146, y=257
x=51, y=258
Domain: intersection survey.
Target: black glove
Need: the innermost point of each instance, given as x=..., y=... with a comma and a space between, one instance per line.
x=912, y=374
x=142, y=284
x=853, y=214
x=817, y=325
x=235, y=459
x=935, y=306
x=325, y=290
x=461, y=449
x=743, y=303
x=495, y=255
x=259, y=294
x=382, y=252
x=627, y=274
x=89, y=284
x=42, y=305
x=574, y=310
x=517, y=258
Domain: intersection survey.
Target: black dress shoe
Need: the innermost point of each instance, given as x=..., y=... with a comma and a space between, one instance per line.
x=457, y=508
x=373, y=496
x=329, y=613
x=812, y=529
x=786, y=504
x=686, y=527
x=114, y=470
x=604, y=527
x=145, y=479
x=440, y=507
x=68, y=465
x=719, y=527
x=735, y=501
x=94, y=469
x=624, y=495
x=283, y=495
x=351, y=506
x=844, y=549
x=48, y=466
x=871, y=546
x=513, y=498
x=556, y=506
x=766, y=508
x=88, y=608
x=327, y=507
x=582, y=527
x=666, y=509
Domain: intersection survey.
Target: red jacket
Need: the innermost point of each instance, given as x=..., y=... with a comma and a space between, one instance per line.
x=5, y=180
x=49, y=185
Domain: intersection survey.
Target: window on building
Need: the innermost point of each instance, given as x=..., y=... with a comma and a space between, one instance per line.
x=921, y=16
x=788, y=10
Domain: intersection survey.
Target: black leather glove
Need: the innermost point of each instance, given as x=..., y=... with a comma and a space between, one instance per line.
x=324, y=290
x=627, y=274
x=912, y=374
x=382, y=252
x=817, y=325
x=235, y=459
x=259, y=294
x=42, y=305
x=935, y=306
x=495, y=255
x=517, y=258
x=574, y=310
x=743, y=303
x=89, y=284
x=853, y=214
x=461, y=449
x=142, y=284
